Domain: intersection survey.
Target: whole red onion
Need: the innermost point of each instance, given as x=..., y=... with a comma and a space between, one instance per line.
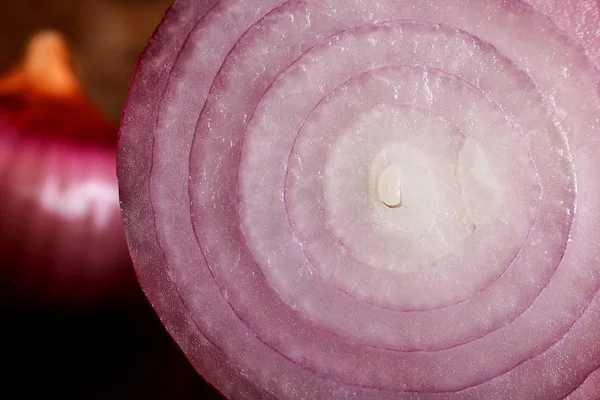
x=61, y=239
x=391, y=199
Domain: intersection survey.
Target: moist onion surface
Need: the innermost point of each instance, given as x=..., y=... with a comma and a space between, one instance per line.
x=393, y=199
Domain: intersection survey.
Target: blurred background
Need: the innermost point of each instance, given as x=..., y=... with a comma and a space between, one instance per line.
x=106, y=37
x=55, y=341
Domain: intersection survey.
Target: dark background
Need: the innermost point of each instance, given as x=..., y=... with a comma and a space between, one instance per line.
x=106, y=37
x=119, y=351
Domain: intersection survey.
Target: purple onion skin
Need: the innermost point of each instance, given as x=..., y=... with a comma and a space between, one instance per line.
x=261, y=342
x=61, y=240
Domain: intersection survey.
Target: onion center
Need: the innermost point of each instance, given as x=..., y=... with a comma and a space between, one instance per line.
x=389, y=187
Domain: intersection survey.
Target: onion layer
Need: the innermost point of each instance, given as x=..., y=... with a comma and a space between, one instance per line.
x=349, y=199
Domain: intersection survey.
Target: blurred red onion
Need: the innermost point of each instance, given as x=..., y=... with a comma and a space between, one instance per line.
x=61, y=238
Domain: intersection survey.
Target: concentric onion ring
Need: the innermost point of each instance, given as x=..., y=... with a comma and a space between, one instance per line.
x=253, y=150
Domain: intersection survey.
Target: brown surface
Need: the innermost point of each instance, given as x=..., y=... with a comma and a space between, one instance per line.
x=106, y=35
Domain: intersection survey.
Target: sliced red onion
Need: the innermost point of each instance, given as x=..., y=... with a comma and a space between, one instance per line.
x=391, y=200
